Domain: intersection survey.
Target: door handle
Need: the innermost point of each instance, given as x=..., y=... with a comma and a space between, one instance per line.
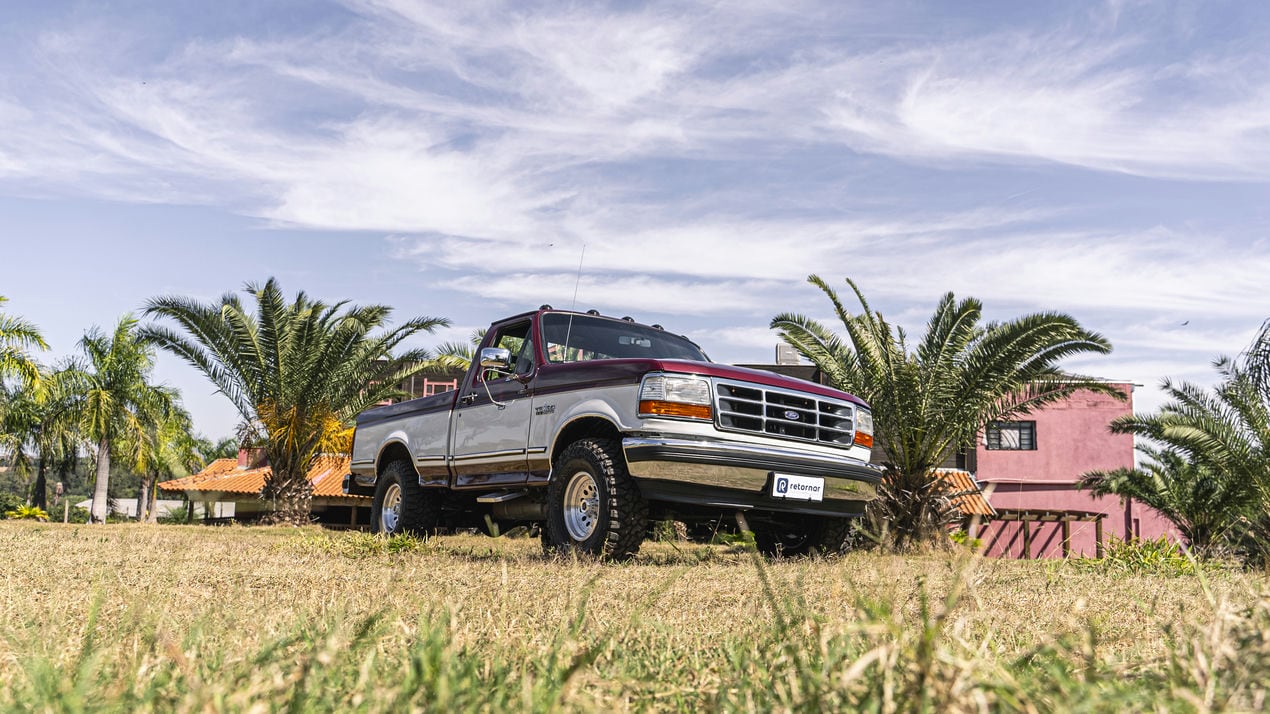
x=468, y=398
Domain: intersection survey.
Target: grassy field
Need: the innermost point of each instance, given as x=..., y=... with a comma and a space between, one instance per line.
x=172, y=618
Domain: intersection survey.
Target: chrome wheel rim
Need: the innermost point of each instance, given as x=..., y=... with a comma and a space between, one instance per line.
x=581, y=506
x=390, y=512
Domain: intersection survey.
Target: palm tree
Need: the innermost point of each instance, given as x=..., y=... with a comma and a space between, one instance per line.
x=1226, y=430
x=169, y=450
x=301, y=370
x=932, y=398
x=20, y=421
x=457, y=355
x=1204, y=503
x=1255, y=361
x=38, y=429
x=209, y=451
x=113, y=399
x=17, y=338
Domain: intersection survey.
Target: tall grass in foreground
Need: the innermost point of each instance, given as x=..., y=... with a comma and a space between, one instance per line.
x=480, y=650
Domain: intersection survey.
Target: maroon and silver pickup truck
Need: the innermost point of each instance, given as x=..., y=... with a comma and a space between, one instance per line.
x=594, y=427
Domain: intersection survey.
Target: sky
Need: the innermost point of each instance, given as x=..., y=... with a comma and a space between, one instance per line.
x=686, y=163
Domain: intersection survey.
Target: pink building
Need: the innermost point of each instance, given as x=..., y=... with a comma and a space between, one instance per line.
x=1028, y=469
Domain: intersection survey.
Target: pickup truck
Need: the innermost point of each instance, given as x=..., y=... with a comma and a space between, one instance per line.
x=595, y=427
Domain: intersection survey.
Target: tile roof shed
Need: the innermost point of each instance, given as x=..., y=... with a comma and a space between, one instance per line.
x=964, y=492
x=227, y=479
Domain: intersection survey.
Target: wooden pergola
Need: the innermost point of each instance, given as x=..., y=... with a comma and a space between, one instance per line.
x=1026, y=516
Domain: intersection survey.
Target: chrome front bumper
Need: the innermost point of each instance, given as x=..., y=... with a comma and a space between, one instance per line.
x=742, y=473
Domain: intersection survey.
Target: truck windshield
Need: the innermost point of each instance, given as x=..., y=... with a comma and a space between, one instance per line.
x=578, y=338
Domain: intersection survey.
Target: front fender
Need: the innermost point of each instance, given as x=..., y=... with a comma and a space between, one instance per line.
x=586, y=409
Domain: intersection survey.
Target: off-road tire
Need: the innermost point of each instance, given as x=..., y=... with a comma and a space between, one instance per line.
x=420, y=510
x=819, y=536
x=621, y=520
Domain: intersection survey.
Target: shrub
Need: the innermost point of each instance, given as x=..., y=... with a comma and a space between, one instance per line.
x=1143, y=557
x=10, y=502
x=27, y=513
x=963, y=538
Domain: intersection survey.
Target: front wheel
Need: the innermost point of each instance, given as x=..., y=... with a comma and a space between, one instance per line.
x=593, y=504
x=401, y=505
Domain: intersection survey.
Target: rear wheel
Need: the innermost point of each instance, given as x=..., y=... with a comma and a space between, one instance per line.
x=593, y=505
x=401, y=505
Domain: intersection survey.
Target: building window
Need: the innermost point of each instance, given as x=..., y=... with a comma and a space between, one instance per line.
x=1011, y=436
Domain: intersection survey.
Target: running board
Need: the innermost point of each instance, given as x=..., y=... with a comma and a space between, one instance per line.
x=501, y=496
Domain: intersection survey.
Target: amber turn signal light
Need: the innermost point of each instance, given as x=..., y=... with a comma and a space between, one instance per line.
x=675, y=409
x=863, y=439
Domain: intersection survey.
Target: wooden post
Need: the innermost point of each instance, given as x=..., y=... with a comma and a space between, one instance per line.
x=66, y=511
x=352, y=519
x=1067, y=536
x=1027, y=539
x=1098, y=537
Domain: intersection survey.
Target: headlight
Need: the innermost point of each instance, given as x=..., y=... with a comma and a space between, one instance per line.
x=667, y=395
x=864, y=428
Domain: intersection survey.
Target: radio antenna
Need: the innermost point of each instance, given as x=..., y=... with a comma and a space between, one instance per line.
x=578, y=281
x=568, y=330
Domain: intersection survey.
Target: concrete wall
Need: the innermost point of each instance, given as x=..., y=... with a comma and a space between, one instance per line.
x=1072, y=437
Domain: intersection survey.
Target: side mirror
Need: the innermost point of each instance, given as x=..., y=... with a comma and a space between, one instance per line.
x=498, y=358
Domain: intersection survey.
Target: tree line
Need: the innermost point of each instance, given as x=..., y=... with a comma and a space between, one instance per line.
x=299, y=370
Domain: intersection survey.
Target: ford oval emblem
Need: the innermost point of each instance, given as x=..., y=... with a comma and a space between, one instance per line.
x=791, y=415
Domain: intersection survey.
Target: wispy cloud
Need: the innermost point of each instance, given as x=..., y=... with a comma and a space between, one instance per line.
x=1087, y=100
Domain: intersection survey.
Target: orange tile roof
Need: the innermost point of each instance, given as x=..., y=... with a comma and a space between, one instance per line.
x=225, y=476
x=965, y=494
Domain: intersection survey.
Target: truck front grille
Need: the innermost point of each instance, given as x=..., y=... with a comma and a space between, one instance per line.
x=783, y=414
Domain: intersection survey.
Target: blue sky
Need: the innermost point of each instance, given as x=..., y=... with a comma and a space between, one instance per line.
x=1109, y=159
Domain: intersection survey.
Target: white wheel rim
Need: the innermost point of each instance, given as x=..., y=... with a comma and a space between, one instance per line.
x=390, y=512
x=581, y=506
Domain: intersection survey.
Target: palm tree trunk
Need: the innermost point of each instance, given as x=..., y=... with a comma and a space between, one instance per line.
x=912, y=511
x=101, y=489
x=143, y=498
x=289, y=488
x=39, y=495
x=152, y=499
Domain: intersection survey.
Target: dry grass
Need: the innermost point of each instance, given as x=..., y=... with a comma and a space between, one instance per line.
x=195, y=618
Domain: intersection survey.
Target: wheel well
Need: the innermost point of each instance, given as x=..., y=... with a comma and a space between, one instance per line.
x=584, y=428
x=396, y=451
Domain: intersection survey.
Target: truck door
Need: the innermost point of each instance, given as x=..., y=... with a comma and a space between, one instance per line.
x=491, y=418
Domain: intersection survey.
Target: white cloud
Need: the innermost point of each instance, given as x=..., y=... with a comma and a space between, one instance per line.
x=738, y=343
x=634, y=293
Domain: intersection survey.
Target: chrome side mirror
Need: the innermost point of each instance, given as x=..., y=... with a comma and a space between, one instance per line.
x=498, y=358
